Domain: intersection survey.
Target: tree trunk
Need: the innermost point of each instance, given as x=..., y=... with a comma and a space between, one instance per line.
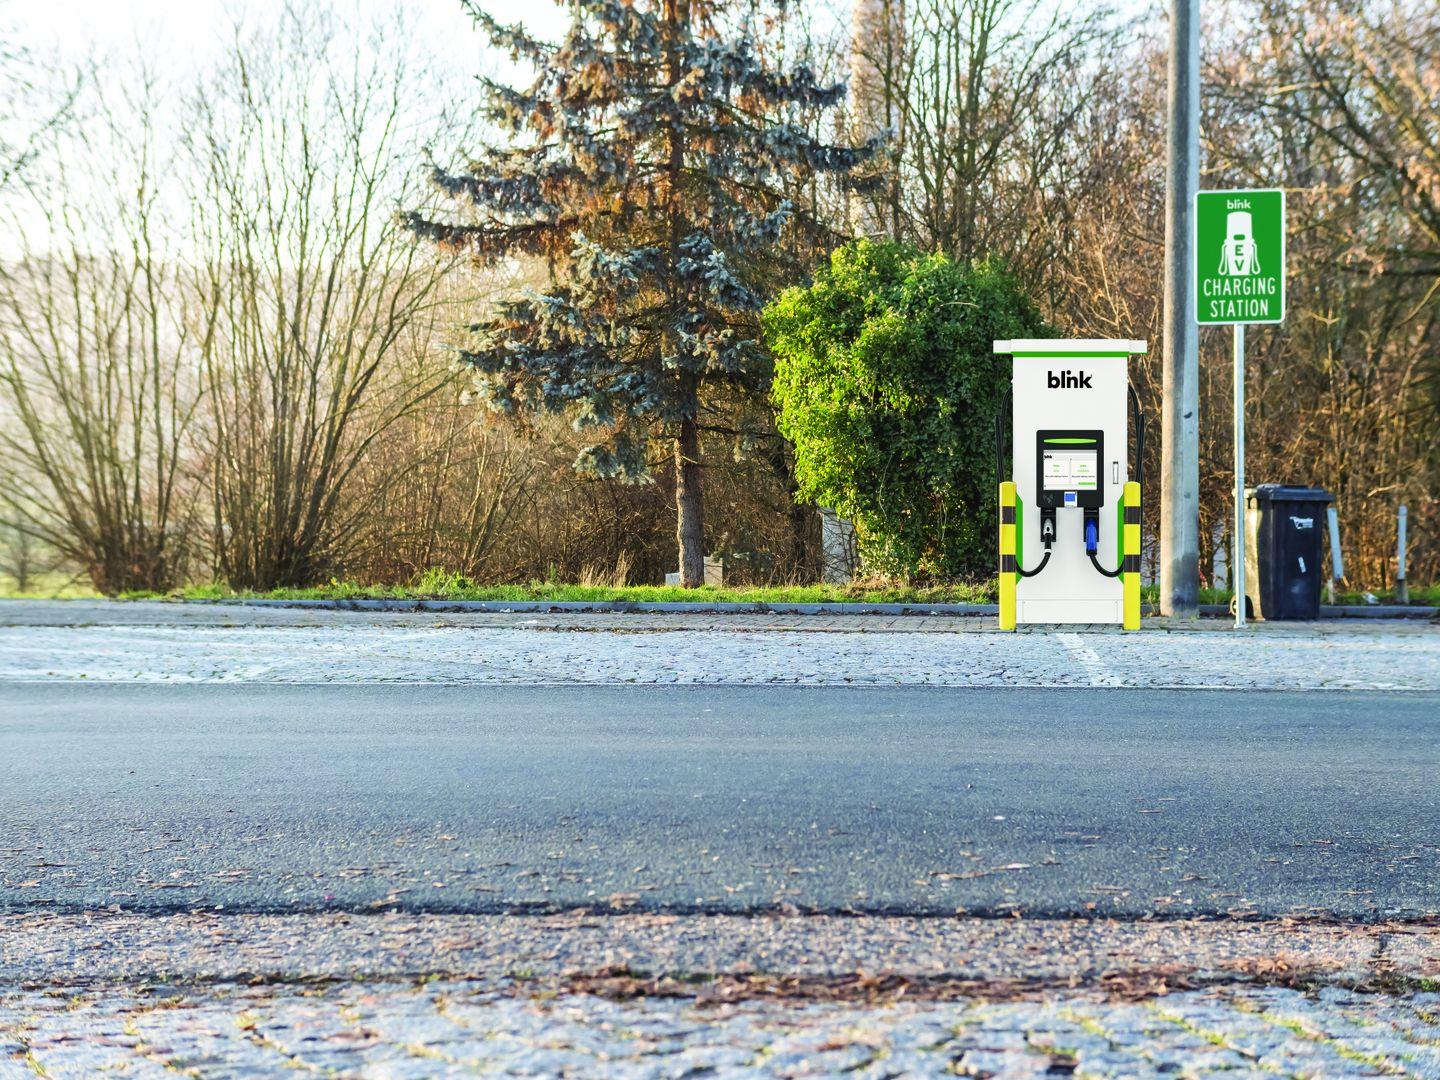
x=689, y=506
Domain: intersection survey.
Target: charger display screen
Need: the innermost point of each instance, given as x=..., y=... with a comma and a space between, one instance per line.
x=1070, y=469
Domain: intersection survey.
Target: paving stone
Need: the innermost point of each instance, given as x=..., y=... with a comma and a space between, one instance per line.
x=414, y=1068
x=1114, y=1063
x=1010, y=1038
x=1002, y=1063
x=1191, y=1056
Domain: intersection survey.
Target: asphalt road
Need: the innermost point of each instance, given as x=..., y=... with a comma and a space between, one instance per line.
x=916, y=800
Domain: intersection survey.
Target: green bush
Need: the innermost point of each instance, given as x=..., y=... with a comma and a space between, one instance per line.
x=886, y=385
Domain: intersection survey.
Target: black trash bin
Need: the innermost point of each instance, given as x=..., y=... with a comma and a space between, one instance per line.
x=1285, y=550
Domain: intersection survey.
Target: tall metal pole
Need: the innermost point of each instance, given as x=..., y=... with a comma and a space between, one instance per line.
x=1237, y=544
x=1180, y=415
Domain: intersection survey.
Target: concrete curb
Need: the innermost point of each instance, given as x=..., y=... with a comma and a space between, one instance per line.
x=717, y=607
x=79, y=949
x=726, y=607
x=1351, y=611
x=673, y=607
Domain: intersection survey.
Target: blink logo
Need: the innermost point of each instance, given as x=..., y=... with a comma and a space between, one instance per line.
x=1067, y=380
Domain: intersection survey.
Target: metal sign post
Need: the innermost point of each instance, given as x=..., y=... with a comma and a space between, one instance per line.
x=1237, y=546
x=1239, y=279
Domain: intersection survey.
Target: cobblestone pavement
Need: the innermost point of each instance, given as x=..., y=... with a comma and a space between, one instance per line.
x=462, y=1028
x=533, y=652
x=233, y=996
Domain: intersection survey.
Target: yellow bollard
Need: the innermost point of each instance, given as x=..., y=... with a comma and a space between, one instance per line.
x=1130, y=564
x=1007, y=555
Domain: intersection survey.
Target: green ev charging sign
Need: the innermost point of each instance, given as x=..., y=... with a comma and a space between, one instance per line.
x=1239, y=257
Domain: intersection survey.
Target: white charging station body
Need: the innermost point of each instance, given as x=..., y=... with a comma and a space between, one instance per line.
x=1070, y=449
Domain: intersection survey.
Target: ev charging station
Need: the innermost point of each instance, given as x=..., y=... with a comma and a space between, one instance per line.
x=1069, y=527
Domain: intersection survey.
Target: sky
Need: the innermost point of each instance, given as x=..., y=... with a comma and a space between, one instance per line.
x=183, y=39
x=185, y=32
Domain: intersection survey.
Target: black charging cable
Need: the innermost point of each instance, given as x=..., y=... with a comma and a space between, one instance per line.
x=1108, y=573
x=1000, y=435
x=1047, y=537
x=1031, y=573
x=1000, y=471
x=1139, y=417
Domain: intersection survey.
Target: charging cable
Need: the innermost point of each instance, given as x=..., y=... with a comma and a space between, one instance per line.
x=1047, y=537
x=1092, y=546
x=1031, y=573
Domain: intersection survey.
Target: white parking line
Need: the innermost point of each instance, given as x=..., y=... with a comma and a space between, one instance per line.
x=1083, y=656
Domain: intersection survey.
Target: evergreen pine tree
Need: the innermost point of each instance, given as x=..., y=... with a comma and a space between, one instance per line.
x=647, y=165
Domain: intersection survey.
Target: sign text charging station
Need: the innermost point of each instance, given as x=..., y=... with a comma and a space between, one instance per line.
x=1070, y=498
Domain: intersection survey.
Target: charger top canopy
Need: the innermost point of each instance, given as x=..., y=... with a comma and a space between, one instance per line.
x=1078, y=347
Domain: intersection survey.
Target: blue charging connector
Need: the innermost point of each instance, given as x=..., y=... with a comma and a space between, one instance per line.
x=1092, y=544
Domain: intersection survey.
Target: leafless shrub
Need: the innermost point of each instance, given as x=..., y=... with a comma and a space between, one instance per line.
x=33, y=107
x=308, y=153
x=97, y=353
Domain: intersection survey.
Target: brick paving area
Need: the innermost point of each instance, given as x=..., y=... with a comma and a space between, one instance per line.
x=621, y=652
x=458, y=1028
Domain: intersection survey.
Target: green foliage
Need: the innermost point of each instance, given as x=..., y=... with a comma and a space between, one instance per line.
x=441, y=585
x=886, y=385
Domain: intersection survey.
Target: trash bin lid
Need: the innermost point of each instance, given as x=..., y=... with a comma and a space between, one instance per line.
x=1288, y=493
